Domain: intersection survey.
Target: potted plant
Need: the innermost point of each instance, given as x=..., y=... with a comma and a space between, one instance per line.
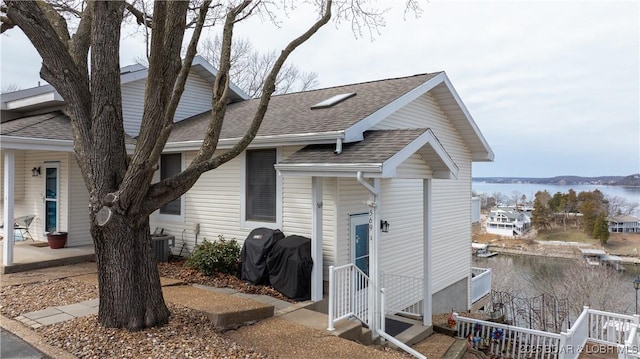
x=57, y=239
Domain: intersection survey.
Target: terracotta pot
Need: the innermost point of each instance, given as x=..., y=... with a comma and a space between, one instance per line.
x=57, y=239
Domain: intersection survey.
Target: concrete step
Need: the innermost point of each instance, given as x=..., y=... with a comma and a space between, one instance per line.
x=456, y=350
x=416, y=333
x=348, y=329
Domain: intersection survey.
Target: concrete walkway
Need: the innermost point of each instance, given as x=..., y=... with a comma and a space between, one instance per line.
x=223, y=315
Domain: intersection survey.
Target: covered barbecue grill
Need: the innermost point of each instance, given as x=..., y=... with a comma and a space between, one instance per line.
x=290, y=264
x=254, y=254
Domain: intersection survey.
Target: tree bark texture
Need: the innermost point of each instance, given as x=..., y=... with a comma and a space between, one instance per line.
x=121, y=193
x=128, y=279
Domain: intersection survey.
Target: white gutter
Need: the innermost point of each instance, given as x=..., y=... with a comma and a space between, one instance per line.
x=265, y=141
x=28, y=143
x=330, y=167
x=43, y=144
x=338, y=146
x=366, y=184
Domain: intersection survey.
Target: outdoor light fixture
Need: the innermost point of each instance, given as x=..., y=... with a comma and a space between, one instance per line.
x=384, y=226
x=636, y=286
x=35, y=172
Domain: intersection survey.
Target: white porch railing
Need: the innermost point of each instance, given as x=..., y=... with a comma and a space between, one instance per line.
x=504, y=341
x=480, y=283
x=348, y=294
x=608, y=331
x=403, y=294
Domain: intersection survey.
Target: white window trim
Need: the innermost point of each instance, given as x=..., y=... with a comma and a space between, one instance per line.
x=161, y=217
x=248, y=224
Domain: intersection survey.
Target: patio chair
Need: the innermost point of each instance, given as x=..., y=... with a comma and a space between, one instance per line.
x=22, y=225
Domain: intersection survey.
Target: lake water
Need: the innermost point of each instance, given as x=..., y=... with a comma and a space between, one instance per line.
x=630, y=194
x=531, y=276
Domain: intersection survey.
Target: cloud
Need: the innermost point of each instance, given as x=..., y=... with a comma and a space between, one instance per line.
x=554, y=86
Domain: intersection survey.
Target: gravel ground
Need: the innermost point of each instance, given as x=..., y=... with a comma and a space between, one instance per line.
x=189, y=334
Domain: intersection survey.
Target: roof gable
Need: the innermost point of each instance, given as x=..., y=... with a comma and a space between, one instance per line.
x=46, y=96
x=292, y=114
x=379, y=154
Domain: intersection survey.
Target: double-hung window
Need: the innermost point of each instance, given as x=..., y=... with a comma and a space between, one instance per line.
x=261, y=186
x=170, y=165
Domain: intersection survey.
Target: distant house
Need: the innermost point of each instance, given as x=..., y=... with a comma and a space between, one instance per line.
x=624, y=224
x=377, y=174
x=508, y=222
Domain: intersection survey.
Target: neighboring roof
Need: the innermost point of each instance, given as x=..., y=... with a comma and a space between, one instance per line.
x=378, y=154
x=51, y=130
x=46, y=96
x=624, y=219
x=592, y=252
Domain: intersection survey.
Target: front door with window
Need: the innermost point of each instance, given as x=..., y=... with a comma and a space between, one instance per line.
x=359, y=224
x=51, y=206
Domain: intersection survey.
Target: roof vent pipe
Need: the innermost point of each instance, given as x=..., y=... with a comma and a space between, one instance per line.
x=338, y=146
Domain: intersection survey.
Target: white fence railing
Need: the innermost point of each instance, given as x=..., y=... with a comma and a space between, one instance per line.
x=504, y=341
x=608, y=328
x=480, y=283
x=575, y=338
x=607, y=332
x=348, y=294
x=403, y=294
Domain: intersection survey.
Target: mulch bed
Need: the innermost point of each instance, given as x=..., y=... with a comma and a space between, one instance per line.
x=176, y=269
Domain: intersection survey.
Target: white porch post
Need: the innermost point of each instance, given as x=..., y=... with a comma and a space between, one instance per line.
x=316, y=238
x=426, y=230
x=376, y=255
x=9, y=175
x=374, y=258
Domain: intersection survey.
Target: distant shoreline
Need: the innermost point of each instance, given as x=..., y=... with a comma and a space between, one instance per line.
x=626, y=181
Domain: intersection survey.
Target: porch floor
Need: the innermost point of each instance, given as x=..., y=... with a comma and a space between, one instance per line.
x=27, y=256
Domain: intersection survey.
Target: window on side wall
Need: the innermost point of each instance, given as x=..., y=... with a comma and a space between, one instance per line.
x=170, y=165
x=261, y=185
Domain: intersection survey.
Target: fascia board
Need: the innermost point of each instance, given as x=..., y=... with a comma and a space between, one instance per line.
x=200, y=61
x=355, y=132
x=489, y=155
x=41, y=144
x=427, y=138
x=265, y=141
x=329, y=170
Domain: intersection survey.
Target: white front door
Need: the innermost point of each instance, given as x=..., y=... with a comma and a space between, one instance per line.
x=359, y=229
x=51, y=196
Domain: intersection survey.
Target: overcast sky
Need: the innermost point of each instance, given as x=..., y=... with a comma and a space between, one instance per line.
x=553, y=86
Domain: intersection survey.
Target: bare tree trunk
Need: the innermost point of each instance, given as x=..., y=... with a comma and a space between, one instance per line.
x=128, y=273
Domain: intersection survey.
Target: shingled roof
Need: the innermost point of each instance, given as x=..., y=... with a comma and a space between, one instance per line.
x=291, y=114
x=377, y=147
x=54, y=125
x=379, y=153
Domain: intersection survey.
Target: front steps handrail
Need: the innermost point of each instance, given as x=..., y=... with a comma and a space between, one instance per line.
x=348, y=294
x=381, y=331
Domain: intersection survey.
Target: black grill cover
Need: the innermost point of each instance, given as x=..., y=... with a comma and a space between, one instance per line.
x=254, y=254
x=290, y=264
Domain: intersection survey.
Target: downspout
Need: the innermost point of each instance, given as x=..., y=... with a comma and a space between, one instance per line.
x=338, y=146
x=374, y=262
x=366, y=185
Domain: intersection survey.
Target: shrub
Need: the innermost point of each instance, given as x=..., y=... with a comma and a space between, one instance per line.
x=221, y=256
